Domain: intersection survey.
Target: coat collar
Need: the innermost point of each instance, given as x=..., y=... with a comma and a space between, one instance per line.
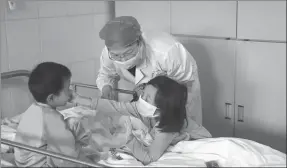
x=142, y=69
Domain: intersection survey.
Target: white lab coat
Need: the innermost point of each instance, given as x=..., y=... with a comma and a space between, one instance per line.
x=163, y=55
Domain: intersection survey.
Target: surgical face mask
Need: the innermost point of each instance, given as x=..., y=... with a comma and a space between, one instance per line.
x=132, y=61
x=129, y=63
x=146, y=109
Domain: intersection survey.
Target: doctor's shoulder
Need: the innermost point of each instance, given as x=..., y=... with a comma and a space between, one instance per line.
x=105, y=52
x=105, y=56
x=159, y=41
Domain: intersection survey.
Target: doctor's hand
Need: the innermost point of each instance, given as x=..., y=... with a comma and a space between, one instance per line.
x=108, y=93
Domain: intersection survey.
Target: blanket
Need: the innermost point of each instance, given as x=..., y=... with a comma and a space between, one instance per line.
x=211, y=152
x=8, y=133
x=106, y=128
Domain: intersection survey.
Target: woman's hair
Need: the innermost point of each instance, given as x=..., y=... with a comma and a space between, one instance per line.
x=171, y=98
x=47, y=78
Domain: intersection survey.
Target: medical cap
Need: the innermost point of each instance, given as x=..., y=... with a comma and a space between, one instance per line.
x=121, y=30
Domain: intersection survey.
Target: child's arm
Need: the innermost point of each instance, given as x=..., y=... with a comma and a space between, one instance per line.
x=82, y=135
x=61, y=140
x=89, y=147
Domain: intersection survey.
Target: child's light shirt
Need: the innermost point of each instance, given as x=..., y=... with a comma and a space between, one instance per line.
x=44, y=127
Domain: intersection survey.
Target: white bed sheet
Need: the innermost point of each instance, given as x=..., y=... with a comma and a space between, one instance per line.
x=228, y=152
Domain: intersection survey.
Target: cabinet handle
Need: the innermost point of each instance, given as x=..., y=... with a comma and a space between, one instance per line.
x=240, y=112
x=227, y=111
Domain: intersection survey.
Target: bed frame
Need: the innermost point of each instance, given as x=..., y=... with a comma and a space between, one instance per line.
x=25, y=73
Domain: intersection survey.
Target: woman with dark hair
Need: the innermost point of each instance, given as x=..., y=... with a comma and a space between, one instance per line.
x=161, y=108
x=169, y=98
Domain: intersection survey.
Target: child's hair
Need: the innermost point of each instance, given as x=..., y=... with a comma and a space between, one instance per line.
x=171, y=98
x=47, y=78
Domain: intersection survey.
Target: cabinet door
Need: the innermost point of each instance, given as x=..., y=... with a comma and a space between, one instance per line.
x=215, y=60
x=261, y=93
x=151, y=15
x=212, y=18
x=262, y=20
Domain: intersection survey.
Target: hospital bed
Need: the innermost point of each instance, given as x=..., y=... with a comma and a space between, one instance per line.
x=210, y=152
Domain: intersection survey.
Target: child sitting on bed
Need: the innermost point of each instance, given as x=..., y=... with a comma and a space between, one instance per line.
x=42, y=126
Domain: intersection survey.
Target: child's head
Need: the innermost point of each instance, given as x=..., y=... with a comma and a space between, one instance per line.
x=49, y=83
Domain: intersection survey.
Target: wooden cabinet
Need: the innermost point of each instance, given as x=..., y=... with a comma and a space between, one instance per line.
x=215, y=60
x=260, y=95
x=243, y=82
x=262, y=20
x=243, y=87
x=212, y=18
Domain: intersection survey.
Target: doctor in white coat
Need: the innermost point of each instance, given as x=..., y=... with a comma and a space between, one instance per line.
x=138, y=56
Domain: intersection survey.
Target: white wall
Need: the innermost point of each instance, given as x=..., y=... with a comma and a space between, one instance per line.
x=63, y=32
x=260, y=20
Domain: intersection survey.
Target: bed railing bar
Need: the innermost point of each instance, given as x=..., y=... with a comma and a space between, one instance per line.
x=76, y=84
x=16, y=73
x=51, y=154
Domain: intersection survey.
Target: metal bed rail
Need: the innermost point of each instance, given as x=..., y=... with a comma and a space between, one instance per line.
x=77, y=84
x=51, y=154
x=26, y=73
x=19, y=73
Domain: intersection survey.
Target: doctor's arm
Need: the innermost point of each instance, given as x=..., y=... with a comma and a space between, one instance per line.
x=107, y=75
x=153, y=152
x=178, y=64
